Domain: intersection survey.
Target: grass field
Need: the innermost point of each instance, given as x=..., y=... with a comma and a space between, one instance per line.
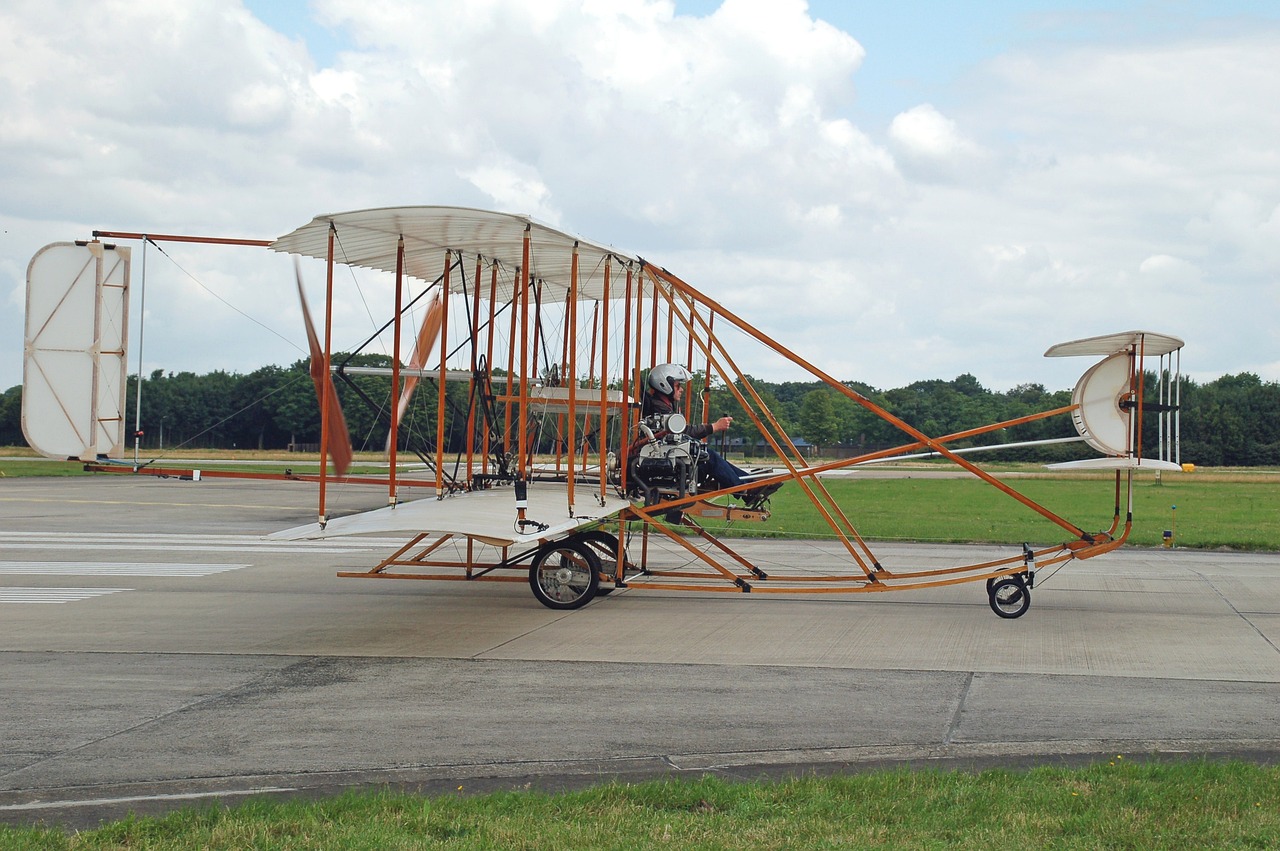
x=1118, y=803
x=19, y=462
x=1237, y=508
x=1233, y=511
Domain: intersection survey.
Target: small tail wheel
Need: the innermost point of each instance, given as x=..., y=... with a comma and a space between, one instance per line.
x=1009, y=597
x=605, y=547
x=565, y=575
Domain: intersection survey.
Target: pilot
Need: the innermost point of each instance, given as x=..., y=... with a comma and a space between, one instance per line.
x=665, y=395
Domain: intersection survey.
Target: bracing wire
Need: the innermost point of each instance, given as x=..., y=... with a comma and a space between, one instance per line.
x=264, y=397
x=359, y=290
x=210, y=291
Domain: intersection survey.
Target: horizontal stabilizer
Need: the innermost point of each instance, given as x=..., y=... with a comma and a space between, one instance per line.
x=1118, y=464
x=1108, y=401
x=1142, y=342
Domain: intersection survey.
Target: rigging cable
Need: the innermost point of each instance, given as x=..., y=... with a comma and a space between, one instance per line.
x=204, y=287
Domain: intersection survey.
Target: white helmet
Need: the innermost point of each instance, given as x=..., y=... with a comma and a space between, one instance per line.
x=661, y=376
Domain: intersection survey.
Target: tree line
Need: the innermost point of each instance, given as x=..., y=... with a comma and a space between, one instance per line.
x=1230, y=421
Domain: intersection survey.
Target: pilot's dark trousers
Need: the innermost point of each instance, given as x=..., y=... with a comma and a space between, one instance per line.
x=725, y=474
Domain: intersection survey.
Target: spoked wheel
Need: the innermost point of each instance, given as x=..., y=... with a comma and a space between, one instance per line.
x=565, y=575
x=605, y=547
x=1010, y=597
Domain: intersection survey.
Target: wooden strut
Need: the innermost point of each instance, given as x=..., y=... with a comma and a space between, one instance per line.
x=163, y=237
x=756, y=580
x=681, y=304
x=327, y=387
x=842, y=528
x=902, y=425
x=474, y=363
x=442, y=383
x=646, y=331
x=571, y=380
x=1084, y=545
x=717, y=575
x=394, y=442
x=603, y=441
x=523, y=455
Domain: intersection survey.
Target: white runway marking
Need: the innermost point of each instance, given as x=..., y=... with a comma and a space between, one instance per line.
x=97, y=544
x=54, y=595
x=193, y=543
x=102, y=568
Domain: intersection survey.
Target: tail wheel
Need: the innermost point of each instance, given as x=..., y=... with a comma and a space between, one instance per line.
x=565, y=575
x=1010, y=597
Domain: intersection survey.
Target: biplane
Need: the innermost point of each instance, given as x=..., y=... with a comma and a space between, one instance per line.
x=542, y=465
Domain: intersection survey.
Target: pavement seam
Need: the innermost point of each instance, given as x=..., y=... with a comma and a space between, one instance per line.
x=221, y=695
x=955, y=716
x=482, y=655
x=1237, y=612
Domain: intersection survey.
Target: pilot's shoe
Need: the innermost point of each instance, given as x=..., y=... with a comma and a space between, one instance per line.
x=756, y=497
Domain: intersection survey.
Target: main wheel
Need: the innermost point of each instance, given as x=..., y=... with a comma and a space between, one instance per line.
x=1010, y=597
x=564, y=575
x=605, y=547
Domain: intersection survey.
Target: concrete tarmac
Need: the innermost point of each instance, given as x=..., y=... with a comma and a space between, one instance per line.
x=156, y=651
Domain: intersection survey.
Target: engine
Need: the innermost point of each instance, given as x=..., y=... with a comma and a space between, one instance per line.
x=666, y=463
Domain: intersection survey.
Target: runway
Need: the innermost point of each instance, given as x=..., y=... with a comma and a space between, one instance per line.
x=156, y=650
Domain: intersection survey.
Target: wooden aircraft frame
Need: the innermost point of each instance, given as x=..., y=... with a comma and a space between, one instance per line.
x=543, y=326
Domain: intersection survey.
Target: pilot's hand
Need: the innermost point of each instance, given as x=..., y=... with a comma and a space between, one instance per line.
x=722, y=424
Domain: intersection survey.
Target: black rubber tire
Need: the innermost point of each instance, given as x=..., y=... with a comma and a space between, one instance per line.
x=605, y=547
x=1009, y=597
x=565, y=575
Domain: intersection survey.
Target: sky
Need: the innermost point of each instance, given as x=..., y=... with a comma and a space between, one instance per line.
x=896, y=191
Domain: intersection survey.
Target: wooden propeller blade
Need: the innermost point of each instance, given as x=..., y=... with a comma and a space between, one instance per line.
x=336, y=424
x=428, y=334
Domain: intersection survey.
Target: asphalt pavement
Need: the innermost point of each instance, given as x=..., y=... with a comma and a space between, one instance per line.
x=156, y=650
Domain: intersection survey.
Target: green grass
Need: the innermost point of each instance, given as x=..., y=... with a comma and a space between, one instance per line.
x=1120, y=803
x=1237, y=509
x=213, y=459
x=1212, y=511
x=21, y=468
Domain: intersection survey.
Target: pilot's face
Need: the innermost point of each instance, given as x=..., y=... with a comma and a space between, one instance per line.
x=677, y=389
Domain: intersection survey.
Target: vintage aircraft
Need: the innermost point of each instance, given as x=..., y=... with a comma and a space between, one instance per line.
x=549, y=470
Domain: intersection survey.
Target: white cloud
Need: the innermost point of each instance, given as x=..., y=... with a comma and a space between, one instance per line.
x=1170, y=271
x=1101, y=158
x=1054, y=192
x=511, y=187
x=930, y=142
